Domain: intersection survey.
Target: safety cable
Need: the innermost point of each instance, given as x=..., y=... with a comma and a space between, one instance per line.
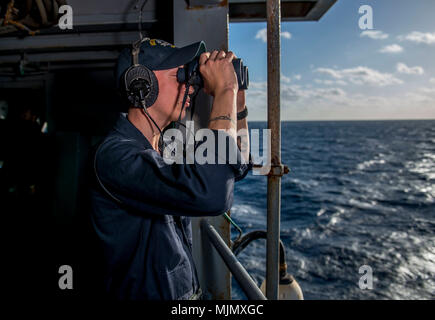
x=161, y=142
x=228, y=218
x=140, y=16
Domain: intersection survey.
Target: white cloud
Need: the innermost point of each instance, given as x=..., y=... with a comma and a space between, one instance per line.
x=361, y=75
x=285, y=79
x=331, y=82
x=313, y=103
x=297, y=93
x=292, y=93
x=394, y=48
x=331, y=72
x=430, y=91
x=286, y=35
x=403, y=68
x=258, y=93
x=432, y=80
x=325, y=82
x=376, y=35
x=419, y=37
x=329, y=92
x=262, y=35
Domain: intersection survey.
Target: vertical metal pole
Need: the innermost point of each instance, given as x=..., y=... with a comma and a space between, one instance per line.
x=274, y=124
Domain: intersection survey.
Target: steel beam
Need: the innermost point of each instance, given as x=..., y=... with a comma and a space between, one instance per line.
x=274, y=124
x=68, y=41
x=291, y=10
x=102, y=55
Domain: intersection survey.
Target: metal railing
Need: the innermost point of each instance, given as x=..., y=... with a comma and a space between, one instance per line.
x=243, y=278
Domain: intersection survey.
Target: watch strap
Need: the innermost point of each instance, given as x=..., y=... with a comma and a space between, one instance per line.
x=242, y=114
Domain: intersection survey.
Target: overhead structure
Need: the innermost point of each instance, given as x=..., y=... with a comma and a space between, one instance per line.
x=99, y=31
x=291, y=10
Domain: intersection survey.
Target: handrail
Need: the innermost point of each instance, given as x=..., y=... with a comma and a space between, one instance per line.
x=245, y=281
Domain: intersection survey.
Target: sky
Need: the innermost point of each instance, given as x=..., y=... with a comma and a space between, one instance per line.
x=333, y=70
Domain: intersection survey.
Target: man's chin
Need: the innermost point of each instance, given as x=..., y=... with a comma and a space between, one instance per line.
x=183, y=115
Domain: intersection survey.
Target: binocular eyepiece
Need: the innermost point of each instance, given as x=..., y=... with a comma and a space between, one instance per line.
x=190, y=74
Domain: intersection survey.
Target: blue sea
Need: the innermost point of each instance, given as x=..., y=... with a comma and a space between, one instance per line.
x=359, y=193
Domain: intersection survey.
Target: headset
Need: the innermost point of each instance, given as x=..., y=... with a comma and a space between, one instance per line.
x=140, y=83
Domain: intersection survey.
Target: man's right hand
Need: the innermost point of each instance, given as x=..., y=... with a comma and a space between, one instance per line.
x=220, y=81
x=218, y=72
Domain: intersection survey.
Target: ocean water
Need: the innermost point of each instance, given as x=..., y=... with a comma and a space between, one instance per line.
x=359, y=193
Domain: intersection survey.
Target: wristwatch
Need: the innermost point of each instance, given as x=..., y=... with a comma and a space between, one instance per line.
x=242, y=114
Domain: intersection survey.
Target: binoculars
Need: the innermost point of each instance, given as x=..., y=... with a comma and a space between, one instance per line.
x=190, y=74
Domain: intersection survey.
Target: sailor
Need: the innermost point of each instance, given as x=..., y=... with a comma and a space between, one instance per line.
x=141, y=205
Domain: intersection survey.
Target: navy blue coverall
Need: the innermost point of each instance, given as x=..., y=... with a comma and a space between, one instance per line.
x=141, y=214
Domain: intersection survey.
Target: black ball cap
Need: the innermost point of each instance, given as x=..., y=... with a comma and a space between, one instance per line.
x=159, y=55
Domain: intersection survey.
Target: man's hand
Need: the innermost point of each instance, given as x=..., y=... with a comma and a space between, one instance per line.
x=218, y=72
x=220, y=81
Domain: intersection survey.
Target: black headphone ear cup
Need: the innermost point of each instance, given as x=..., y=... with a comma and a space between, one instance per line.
x=140, y=82
x=154, y=90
